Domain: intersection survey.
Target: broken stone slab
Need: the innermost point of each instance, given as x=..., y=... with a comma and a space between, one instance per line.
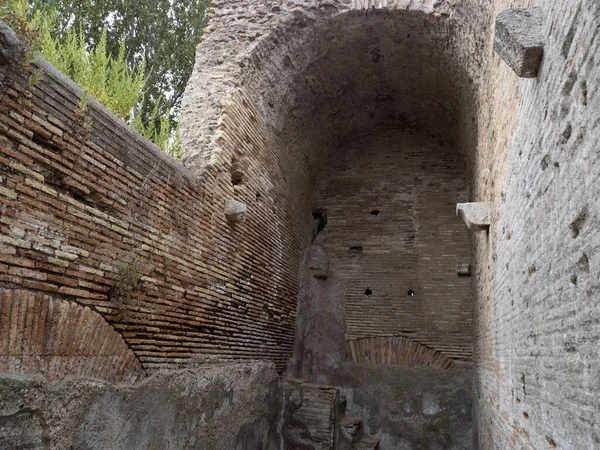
x=475, y=215
x=318, y=262
x=519, y=39
x=236, y=211
x=11, y=48
x=463, y=270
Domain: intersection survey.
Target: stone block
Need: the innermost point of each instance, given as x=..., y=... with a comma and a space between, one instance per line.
x=519, y=39
x=318, y=262
x=463, y=270
x=11, y=48
x=236, y=211
x=475, y=215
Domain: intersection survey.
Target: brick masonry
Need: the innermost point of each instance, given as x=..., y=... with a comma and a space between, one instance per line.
x=59, y=339
x=277, y=87
x=528, y=147
x=86, y=211
x=393, y=236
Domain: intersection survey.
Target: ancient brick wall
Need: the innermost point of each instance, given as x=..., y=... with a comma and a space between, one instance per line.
x=59, y=339
x=98, y=216
x=393, y=236
x=511, y=133
x=536, y=315
x=332, y=70
x=277, y=86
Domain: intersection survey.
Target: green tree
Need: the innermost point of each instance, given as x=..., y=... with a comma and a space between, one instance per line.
x=120, y=82
x=161, y=33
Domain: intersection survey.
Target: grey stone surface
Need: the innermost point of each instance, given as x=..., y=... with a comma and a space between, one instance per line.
x=318, y=262
x=475, y=215
x=309, y=415
x=226, y=407
x=319, y=346
x=11, y=48
x=519, y=39
x=236, y=211
x=418, y=408
x=538, y=271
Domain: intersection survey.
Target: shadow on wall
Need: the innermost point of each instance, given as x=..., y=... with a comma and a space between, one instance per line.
x=418, y=408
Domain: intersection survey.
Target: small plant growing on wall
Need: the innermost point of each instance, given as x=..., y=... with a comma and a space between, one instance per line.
x=127, y=278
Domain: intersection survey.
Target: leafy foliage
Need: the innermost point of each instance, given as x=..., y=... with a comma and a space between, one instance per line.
x=120, y=79
x=161, y=33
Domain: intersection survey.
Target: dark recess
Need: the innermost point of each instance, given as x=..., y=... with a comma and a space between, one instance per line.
x=319, y=222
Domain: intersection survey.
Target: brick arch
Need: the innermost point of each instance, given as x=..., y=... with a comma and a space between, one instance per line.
x=395, y=351
x=58, y=339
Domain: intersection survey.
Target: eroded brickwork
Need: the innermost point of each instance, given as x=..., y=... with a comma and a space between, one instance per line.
x=537, y=334
x=58, y=339
x=512, y=132
x=99, y=217
x=393, y=236
x=278, y=85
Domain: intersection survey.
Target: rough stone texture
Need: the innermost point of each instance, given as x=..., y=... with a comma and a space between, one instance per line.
x=11, y=48
x=539, y=271
x=511, y=131
x=421, y=408
x=519, y=39
x=309, y=416
x=475, y=215
x=57, y=339
x=236, y=211
x=318, y=262
x=228, y=407
x=320, y=327
x=278, y=87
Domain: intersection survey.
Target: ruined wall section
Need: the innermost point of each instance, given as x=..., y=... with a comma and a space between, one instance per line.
x=393, y=236
x=279, y=84
x=93, y=214
x=59, y=339
x=219, y=407
x=536, y=333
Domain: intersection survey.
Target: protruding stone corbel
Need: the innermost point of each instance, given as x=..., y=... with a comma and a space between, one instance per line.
x=463, y=269
x=318, y=262
x=519, y=39
x=235, y=211
x=475, y=215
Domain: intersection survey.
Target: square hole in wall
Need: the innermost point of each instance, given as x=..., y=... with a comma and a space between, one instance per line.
x=356, y=251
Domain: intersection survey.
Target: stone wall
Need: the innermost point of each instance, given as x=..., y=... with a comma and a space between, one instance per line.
x=222, y=407
x=308, y=68
x=393, y=237
x=418, y=408
x=539, y=271
x=93, y=214
x=277, y=87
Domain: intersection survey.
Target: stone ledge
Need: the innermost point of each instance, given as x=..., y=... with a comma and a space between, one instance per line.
x=475, y=215
x=519, y=39
x=236, y=211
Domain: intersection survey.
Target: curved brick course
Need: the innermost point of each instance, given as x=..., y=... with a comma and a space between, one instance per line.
x=60, y=339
